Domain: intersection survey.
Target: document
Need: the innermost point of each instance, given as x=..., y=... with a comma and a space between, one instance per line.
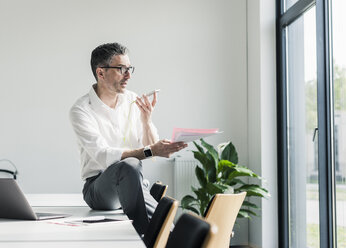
x=190, y=134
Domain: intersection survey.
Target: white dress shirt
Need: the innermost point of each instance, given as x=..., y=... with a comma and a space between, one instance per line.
x=103, y=133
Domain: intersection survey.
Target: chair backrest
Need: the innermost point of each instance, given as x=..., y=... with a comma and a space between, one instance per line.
x=222, y=211
x=6, y=172
x=158, y=190
x=192, y=231
x=161, y=222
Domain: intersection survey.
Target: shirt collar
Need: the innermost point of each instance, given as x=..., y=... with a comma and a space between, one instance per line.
x=97, y=103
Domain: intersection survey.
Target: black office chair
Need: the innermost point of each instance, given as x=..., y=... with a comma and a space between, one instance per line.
x=161, y=222
x=158, y=190
x=11, y=172
x=192, y=231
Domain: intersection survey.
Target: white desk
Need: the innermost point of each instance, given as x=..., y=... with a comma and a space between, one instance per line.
x=58, y=233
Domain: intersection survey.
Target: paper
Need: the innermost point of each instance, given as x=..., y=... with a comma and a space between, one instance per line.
x=189, y=134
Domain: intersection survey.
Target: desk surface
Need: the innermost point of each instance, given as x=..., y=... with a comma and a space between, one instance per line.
x=66, y=233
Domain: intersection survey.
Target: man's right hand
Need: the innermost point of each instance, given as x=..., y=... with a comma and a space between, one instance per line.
x=164, y=148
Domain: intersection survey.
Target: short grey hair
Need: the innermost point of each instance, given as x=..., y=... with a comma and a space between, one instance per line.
x=102, y=55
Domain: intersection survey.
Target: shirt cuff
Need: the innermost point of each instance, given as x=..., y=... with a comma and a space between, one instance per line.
x=113, y=155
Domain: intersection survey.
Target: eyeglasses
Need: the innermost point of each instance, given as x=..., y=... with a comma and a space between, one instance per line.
x=123, y=69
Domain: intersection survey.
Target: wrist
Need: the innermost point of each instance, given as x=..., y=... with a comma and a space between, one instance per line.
x=148, y=152
x=146, y=123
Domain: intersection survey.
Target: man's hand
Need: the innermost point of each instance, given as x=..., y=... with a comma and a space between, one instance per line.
x=146, y=108
x=164, y=148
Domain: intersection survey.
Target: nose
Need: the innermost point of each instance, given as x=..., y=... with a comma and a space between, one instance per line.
x=127, y=75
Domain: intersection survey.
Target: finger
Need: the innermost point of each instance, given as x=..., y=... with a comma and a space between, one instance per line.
x=139, y=100
x=183, y=147
x=179, y=143
x=139, y=106
x=147, y=103
x=142, y=104
x=174, y=148
x=146, y=100
x=142, y=109
x=180, y=147
x=153, y=103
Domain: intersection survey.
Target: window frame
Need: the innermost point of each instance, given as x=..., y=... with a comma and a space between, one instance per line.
x=325, y=118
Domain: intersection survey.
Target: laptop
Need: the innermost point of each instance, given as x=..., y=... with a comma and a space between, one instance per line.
x=14, y=205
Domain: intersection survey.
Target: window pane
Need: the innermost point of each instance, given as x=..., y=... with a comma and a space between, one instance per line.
x=339, y=75
x=302, y=121
x=289, y=3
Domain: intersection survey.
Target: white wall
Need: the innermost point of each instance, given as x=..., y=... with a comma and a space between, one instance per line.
x=194, y=51
x=211, y=74
x=262, y=132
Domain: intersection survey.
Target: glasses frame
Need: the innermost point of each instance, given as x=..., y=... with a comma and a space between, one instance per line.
x=123, y=69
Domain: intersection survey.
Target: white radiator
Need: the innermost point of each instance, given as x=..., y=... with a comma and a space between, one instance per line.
x=184, y=177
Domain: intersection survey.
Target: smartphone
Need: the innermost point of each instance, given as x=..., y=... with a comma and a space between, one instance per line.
x=100, y=221
x=149, y=94
x=152, y=92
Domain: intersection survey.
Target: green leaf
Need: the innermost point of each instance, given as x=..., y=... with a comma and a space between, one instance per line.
x=250, y=204
x=213, y=188
x=234, y=181
x=211, y=168
x=187, y=201
x=201, y=176
x=202, y=195
x=241, y=171
x=243, y=214
x=208, y=164
x=202, y=158
x=193, y=210
x=225, y=164
x=253, y=190
x=230, y=153
x=226, y=171
x=199, y=148
x=249, y=211
x=212, y=151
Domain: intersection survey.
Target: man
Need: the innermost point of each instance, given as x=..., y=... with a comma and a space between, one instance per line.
x=115, y=132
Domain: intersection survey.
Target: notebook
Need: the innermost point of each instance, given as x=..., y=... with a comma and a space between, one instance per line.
x=14, y=205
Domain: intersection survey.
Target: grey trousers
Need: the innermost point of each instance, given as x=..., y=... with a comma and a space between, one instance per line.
x=121, y=185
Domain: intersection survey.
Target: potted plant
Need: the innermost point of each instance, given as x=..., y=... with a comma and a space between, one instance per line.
x=219, y=172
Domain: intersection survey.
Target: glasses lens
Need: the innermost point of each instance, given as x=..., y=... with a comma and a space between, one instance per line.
x=127, y=69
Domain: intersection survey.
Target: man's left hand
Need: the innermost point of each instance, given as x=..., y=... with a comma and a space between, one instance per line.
x=146, y=108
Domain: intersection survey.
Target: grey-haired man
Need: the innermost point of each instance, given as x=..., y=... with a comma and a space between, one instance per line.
x=114, y=133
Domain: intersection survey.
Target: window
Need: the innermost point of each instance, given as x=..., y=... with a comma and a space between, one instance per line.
x=301, y=123
x=311, y=130
x=289, y=3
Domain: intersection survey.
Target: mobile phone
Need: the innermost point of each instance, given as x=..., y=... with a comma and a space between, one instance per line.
x=152, y=92
x=100, y=221
x=149, y=94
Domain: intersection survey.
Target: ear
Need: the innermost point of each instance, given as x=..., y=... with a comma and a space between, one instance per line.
x=100, y=72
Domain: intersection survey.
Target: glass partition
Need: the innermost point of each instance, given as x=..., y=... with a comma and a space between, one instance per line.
x=301, y=129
